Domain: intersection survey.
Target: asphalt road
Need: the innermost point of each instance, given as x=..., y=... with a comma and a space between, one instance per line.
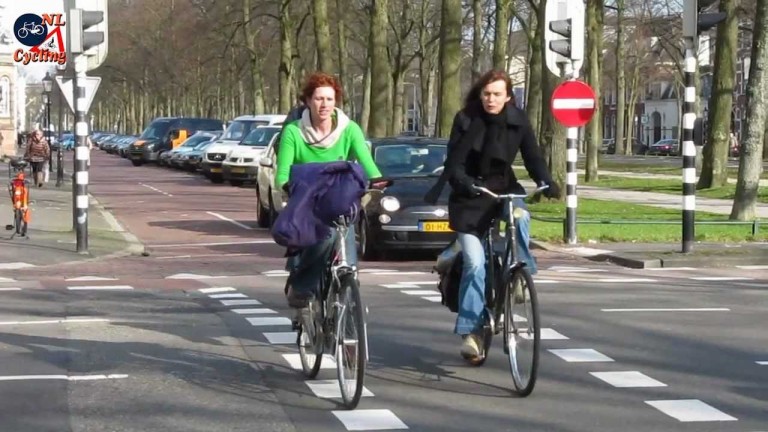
x=190, y=337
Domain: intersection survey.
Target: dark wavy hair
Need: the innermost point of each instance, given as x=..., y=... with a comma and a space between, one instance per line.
x=321, y=79
x=472, y=101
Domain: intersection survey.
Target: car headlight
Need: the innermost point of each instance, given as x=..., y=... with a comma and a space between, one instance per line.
x=390, y=203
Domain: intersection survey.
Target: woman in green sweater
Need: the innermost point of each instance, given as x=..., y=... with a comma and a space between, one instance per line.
x=322, y=134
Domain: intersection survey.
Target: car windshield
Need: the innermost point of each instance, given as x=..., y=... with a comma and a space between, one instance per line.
x=240, y=128
x=259, y=137
x=156, y=130
x=195, y=140
x=409, y=160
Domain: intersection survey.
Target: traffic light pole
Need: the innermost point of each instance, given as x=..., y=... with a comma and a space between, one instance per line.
x=82, y=154
x=688, y=146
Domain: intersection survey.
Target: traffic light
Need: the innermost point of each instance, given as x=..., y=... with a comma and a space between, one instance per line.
x=564, y=33
x=87, y=31
x=696, y=21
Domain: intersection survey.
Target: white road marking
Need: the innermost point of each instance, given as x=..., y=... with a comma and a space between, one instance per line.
x=690, y=410
x=552, y=334
x=15, y=265
x=369, y=419
x=369, y=270
x=6, y=280
x=89, y=279
x=545, y=281
x=269, y=321
x=753, y=267
x=227, y=295
x=62, y=377
x=247, y=302
x=434, y=299
x=253, y=311
x=56, y=321
x=719, y=278
x=329, y=389
x=10, y=289
x=192, y=276
x=419, y=292
x=626, y=280
x=294, y=361
x=762, y=363
x=232, y=221
x=752, y=285
x=402, y=285
x=580, y=270
x=628, y=379
x=281, y=338
x=99, y=287
x=156, y=189
x=580, y=355
x=215, y=290
x=668, y=310
x=274, y=272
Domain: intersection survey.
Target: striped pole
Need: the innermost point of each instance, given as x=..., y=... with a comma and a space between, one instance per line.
x=688, y=147
x=571, y=201
x=82, y=155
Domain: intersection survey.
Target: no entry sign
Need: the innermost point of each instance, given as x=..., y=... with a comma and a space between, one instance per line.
x=573, y=103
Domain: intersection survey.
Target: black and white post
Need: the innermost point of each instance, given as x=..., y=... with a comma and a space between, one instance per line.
x=688, y=147
x=82, y=154
x=571, y=177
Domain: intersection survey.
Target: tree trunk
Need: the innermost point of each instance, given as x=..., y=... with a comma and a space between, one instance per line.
x=533, y=103
x=750, y=159
x=477, y=38
x=365, y=113
x=398, y=89
x=501, y=35
x=286, y=58
x=714, y=172
x=622, y=146
x=322, y=36
x=594, y=133
x=379, y=63
x=342, y=37
x=450, y=66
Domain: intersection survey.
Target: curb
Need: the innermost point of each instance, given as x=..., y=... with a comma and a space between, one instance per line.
x=135, y=246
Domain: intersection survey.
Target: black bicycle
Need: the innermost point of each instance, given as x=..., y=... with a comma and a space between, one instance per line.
x=335, y=322
x=511, y=303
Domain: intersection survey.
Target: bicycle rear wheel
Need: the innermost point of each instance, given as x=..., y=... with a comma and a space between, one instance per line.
x=310, y=338
x=522, y=334
x=352, y=346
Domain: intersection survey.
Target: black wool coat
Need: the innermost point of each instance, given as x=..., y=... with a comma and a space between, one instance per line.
x=469, y=213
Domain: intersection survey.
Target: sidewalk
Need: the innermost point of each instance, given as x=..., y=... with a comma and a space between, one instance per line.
x=630, y=174
x=51, y=236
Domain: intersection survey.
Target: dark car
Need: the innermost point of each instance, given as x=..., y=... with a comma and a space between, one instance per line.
x=166, y=133
x=397, y=218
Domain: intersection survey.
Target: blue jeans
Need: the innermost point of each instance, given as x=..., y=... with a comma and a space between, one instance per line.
x=472, y=285
x=307, y=267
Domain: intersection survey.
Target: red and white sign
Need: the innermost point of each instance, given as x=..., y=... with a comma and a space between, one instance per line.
x=573, y=103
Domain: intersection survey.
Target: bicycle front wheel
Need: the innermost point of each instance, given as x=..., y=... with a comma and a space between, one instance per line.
x=18, y=221
x=352, y=346
x=522, y=334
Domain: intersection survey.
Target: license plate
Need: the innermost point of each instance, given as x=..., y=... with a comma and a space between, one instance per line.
x=441, y=226
x=215, y=170
x=238, y=170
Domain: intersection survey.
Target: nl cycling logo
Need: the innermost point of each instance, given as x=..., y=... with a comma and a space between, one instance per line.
x=42, y=34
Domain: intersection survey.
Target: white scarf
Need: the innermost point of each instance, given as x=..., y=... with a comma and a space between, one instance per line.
x=312, y=137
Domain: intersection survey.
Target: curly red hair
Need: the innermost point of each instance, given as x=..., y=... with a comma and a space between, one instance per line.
x=320, y=79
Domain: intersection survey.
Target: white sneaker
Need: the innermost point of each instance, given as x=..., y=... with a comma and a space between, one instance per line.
x=470, y=347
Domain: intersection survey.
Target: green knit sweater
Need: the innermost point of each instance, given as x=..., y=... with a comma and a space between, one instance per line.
x=294, y=150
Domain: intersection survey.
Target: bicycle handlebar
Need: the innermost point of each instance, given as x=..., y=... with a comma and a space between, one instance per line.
x=509, y=196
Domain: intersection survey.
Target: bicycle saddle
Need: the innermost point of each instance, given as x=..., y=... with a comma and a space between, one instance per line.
x=19, y=163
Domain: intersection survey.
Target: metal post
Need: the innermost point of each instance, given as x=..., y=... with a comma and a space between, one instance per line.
x=48, y=130
x=688, y=147
x=59, y=154
x=81, y=156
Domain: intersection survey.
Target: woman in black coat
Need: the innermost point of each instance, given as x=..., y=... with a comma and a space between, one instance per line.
x=486, y=136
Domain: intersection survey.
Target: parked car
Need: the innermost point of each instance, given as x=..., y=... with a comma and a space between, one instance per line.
x=166, y=133
x=216, y=154
x=397, y=218
x=665, y=147
x=242, y=164
x=171, y=158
